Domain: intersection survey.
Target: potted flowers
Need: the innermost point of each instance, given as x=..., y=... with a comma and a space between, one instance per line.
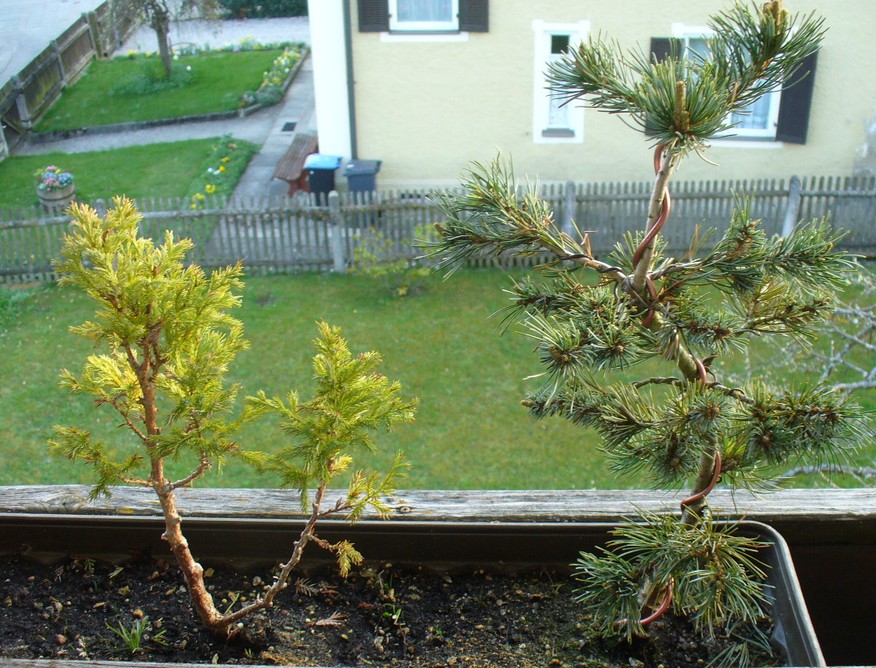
x=55, y=186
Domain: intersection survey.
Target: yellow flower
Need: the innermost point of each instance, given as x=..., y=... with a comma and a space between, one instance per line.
x=210, y=188
x=221, y=168
x=226, y=159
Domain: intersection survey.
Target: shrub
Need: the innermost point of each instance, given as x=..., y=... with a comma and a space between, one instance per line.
x=169, y=341
x=594, y=317
x=259, y=9
x=387, y=261
x=150, y=77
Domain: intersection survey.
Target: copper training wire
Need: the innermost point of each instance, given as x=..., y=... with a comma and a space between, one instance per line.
x=716, y=474
x=702, y=373
x=665, y=208
x=664, y=211
x=664, y=605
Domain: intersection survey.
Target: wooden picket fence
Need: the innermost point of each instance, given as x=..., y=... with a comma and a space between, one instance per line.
x=310, y=233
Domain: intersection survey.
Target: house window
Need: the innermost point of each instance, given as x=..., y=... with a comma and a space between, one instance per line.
x=760, y=119
x=424, y=15
x=554, y=122
x=785, y=113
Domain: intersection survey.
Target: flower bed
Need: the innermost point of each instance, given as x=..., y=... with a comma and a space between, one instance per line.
x=273, y=85
x=227, y=162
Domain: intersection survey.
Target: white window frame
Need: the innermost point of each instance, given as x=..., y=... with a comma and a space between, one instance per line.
x=424, y=26
x=542, y=132
x=685, y=34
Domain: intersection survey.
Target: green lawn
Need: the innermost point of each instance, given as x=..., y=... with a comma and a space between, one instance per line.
x=154, y=170
x=470, y=432
x=120, y=90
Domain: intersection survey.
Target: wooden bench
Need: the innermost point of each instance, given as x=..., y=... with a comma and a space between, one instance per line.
x=291, y=165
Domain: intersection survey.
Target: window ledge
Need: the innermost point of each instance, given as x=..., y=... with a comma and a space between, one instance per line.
x=400, y=37
x=556, y=133
x=745, y=142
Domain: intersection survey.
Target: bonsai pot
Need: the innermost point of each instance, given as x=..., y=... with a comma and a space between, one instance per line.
x=439, y=530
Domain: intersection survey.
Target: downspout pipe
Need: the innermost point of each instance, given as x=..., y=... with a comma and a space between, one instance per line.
x=351, y=94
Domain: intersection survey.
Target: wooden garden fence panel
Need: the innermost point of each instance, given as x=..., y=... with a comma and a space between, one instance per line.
x=306, y=233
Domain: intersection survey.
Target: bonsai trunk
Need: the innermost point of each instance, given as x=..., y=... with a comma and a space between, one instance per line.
x=193, y=572
x=691, y=368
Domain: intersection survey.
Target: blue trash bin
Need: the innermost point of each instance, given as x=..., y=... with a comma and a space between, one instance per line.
x=320, y=169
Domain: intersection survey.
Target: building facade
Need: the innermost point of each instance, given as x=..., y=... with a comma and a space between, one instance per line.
x=427, y=86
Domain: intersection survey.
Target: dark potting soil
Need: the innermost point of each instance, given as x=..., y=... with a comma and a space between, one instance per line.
x=381, y=616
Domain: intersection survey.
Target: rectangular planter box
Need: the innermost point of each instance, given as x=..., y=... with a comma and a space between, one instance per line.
x=832, y=537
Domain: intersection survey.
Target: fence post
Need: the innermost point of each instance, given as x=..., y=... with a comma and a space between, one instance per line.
x=792, y=213
x=336, y=230
x=96, y=36
x=56, y=50
x=4, y=145
x=21, y=102
x=567, y=224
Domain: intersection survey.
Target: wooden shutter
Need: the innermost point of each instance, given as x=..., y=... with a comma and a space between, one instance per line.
x=796, y=102
x=474, y=15
x=373, y=15
x=663, y=47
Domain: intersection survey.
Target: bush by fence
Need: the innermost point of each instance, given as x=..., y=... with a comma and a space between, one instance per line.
x=306, y=233
x=259, y=9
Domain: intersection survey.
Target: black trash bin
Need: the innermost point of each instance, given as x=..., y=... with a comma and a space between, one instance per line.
x=362, y=175
x=320, y=169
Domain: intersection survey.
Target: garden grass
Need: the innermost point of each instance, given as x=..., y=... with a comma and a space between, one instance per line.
x=117, y=91
x=470, y=431
x=154, y=170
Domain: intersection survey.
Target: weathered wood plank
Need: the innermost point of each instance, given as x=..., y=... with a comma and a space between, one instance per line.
x=479, y=505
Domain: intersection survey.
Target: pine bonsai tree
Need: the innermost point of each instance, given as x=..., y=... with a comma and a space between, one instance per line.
x=594, y=317
x=170, y=340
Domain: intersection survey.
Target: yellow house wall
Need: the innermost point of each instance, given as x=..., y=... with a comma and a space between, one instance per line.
x=429, y=109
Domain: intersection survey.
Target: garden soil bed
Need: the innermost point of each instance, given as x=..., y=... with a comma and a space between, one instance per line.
x=384, y=615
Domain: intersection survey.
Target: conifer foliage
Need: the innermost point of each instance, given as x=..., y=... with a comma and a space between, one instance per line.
x=169, y=341
x=593, y=317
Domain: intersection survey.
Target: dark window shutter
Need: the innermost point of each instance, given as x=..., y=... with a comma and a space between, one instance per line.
x=474, y=15
x=662, y=47
x=796, y=102
x=373, y=15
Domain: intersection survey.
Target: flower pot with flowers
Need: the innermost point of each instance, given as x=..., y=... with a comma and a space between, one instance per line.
x=55, y=187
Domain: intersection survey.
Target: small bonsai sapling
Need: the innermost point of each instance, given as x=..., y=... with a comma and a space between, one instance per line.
x=170, y=340
x=593, y=317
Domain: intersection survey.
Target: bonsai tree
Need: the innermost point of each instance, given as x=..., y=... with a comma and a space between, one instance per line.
x=169, y=341
x=597, y=320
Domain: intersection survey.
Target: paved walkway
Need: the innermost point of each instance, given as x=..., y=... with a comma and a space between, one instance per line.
x=269, y=128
